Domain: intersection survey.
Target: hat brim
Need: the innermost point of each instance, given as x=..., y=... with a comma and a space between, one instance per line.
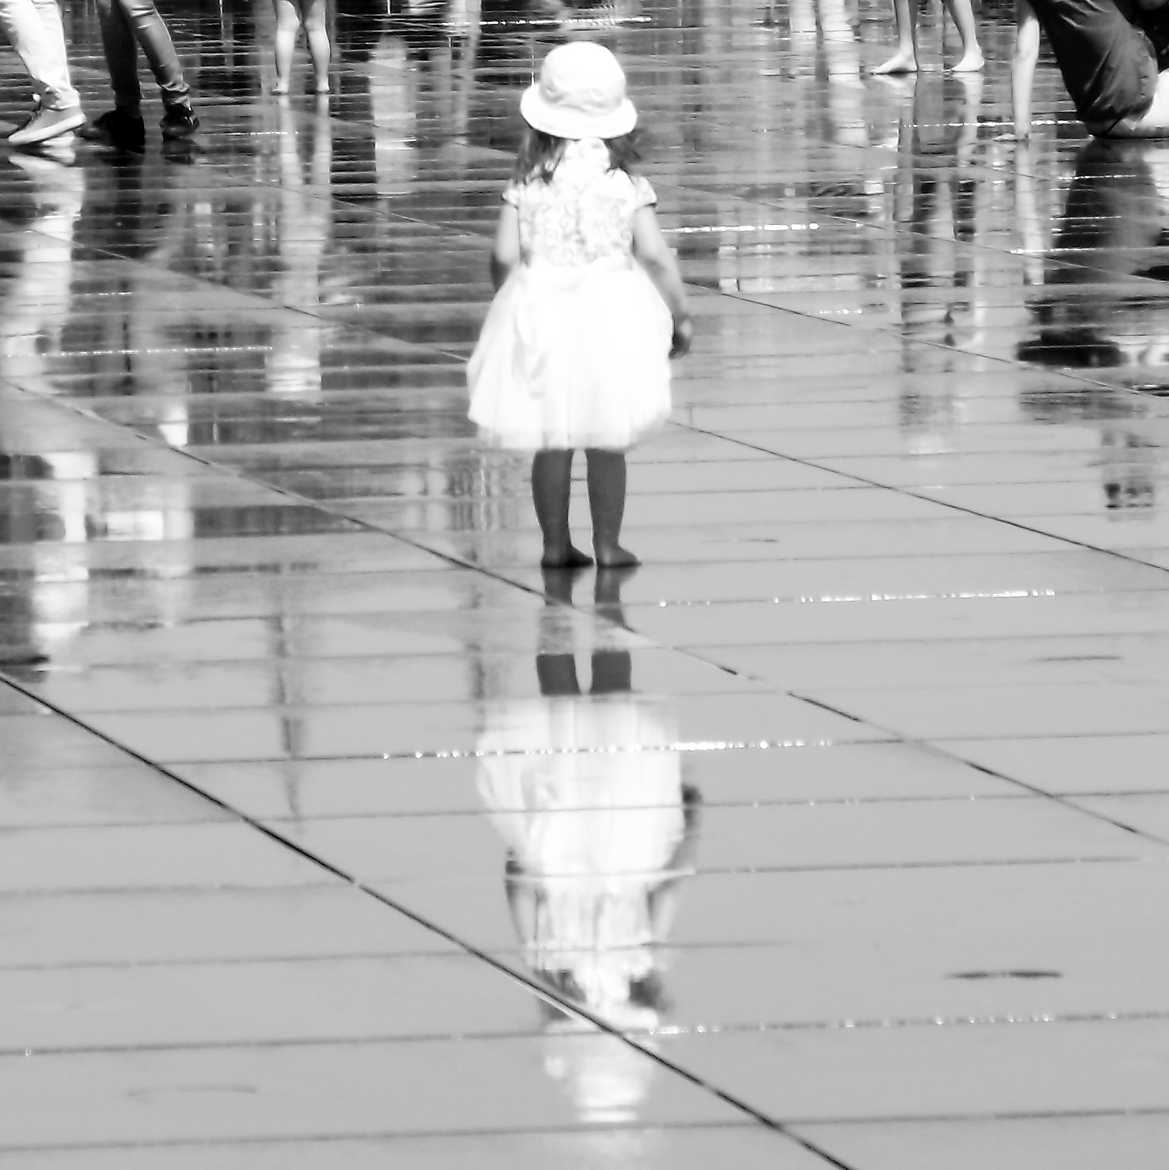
x=560, y=123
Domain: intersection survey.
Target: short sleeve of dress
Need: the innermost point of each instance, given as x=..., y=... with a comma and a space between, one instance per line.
x=643, y=193
x=511, y=194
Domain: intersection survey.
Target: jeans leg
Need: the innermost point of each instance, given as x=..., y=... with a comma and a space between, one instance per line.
x=34, y=29
x=153, y=36
x=121, y=52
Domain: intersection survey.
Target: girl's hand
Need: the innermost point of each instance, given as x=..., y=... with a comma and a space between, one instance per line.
x=683, y=335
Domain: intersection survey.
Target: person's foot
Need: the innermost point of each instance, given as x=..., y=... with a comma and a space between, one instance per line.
x=900, y=62
x=566, y=558
x=44, y=124
x=616, y=558
x=119, y=129
x=178, y=122
x=971, y=61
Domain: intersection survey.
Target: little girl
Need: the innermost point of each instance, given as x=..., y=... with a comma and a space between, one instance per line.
x=576, y=346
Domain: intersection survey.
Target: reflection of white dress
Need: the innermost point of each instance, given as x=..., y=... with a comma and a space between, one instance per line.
x=592, y=824
x=574, y=350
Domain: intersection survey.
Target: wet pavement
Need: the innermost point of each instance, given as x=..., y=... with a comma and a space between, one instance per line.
x=835, y=835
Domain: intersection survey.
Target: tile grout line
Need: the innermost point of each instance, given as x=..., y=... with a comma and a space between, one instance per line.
x=523, y=979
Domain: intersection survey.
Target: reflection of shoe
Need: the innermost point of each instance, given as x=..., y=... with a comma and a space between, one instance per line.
x=117, y=128
x=183, y=151
x=50, y=159
x=48, y=156
x=44, y=124
x=179, y=122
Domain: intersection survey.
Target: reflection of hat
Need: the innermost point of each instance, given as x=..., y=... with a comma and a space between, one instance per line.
x=580, y=94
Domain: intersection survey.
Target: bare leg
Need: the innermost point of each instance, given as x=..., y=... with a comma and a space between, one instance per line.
x=287, y=30
x=317, y=33
x=1153, y=123
x=905, y=59
x=551, y=484
x=962, y=14
x=607, y=505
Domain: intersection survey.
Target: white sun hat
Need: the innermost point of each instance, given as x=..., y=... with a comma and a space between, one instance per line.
x=580, y=94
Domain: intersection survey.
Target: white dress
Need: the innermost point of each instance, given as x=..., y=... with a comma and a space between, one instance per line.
x=588, y=796
x=575, y=348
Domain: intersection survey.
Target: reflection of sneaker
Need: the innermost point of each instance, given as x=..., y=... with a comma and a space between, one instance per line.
x=44, y=124
x=179, y=122
x=117, y=128
x=51, y=155
x=51, y=160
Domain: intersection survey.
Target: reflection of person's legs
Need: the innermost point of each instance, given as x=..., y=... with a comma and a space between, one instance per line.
x=612, y=669
x=555, y=663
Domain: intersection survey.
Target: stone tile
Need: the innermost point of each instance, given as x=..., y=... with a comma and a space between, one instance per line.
x=1073, y=763
x=147, y=856
x=309, y=789
x=375, y=1089
x=208, y=924
x=680, y=1147
x=962, y=712
x=400, y=729
x=963, y=1072
x=1143, y=812
x=743, y=838
x=128, y=1007
x=1071, y=1142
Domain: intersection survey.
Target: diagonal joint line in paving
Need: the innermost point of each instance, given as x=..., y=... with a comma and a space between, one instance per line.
x=529, y=983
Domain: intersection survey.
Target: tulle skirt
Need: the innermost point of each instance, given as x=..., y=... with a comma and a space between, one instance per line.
x=572, y=357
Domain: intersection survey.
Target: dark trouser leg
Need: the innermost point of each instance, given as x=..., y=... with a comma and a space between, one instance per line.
x=151, y=33
x=121, y=52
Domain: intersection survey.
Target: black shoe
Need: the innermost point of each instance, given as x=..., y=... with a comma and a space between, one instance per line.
x=117, y=128
x=179, y=122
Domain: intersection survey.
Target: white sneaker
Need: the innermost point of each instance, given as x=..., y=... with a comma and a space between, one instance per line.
x=44, y=124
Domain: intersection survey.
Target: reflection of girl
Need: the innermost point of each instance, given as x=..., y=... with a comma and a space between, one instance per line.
x=586, y=791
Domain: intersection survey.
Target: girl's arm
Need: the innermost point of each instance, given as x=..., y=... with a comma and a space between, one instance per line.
x=1023, y=66
x=505, y=252
x=657, y=258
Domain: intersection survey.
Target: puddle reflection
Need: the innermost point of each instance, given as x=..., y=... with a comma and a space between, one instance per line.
x=1114, y=228
x=303, y=230
x=600, y=828
x=1101, y=308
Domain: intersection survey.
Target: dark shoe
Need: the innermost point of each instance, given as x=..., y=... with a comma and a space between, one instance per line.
x=179, y=122
x=44, y=124
x=117, y=128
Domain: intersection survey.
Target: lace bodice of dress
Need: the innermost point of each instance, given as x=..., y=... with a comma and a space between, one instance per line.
x=584, y=213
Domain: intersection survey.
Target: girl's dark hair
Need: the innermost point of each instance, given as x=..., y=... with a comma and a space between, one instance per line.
x=540, y=154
